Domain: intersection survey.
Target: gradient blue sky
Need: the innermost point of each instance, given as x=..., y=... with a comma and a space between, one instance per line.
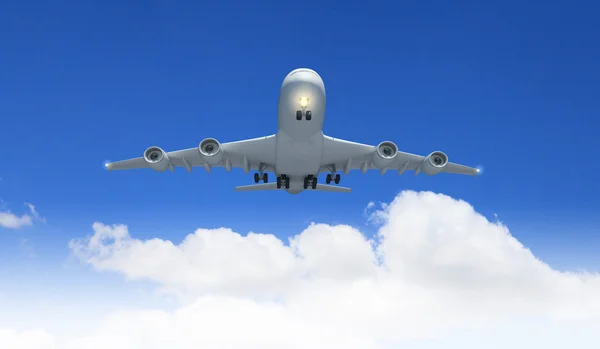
x=511, y=86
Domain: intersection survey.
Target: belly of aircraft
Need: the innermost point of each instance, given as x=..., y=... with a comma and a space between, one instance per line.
x=298, y=158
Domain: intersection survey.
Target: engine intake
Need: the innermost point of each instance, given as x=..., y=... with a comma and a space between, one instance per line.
x=210, y=151
x=435, y=163
x=156, y=158
x=385, y=154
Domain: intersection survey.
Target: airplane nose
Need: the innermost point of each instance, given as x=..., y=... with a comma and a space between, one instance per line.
x=305, y=75
x=303, y=72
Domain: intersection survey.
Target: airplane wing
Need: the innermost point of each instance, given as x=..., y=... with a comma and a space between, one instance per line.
x=251, y=154
x=342, y=155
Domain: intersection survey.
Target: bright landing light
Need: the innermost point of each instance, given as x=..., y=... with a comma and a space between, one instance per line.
x=303, y=102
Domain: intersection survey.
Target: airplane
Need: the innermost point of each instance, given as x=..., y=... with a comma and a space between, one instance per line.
x=298, y=152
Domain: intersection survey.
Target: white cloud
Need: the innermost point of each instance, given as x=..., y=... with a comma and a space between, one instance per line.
x=437, y=275
x=12, y=221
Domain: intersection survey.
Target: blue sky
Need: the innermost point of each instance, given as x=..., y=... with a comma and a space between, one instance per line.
x=511, y=86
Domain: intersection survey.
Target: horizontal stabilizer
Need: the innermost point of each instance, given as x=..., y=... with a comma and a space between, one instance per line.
x=332, y=188
x=257, y=187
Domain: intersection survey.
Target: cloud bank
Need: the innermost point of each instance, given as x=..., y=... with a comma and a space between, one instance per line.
x=436, y=275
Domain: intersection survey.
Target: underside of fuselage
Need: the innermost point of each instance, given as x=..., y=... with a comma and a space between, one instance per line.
x=301, y=113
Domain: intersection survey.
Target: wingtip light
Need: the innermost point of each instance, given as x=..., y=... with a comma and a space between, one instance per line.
x=479, y=170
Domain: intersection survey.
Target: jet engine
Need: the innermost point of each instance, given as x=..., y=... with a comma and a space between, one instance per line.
x=210, y=150
x=434, y=163
x=385, y=154
x=156, y=158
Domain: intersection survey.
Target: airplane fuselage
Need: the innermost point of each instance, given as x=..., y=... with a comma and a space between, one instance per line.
x=299, y=146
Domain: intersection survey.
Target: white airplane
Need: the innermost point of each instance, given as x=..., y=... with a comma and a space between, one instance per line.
x=299, y=151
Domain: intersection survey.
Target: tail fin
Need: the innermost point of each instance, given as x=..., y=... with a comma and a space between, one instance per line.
x=257, y=187
x=273, y=186
x=332, y=188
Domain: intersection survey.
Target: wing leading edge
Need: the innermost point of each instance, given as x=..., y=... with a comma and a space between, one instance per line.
x=342, y=155
x=250, y=154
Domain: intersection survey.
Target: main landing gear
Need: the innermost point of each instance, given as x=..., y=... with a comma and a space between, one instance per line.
x=330, y=177
x=307, y=114
x=284, y=181
x=310, y=181
x=258, y=177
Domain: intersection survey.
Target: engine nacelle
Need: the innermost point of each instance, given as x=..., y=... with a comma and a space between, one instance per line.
x=156, y=158
x=434, y=163
x=210, y=151
x=385, y=154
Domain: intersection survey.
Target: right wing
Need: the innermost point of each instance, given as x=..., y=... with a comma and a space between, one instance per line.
x=339, y=154
x=250, y=154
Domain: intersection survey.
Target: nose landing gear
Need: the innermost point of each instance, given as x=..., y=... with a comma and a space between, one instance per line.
x=307, y=114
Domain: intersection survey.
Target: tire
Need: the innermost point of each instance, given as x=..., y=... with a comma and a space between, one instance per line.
x=337, y=178
x=265, y=177
x=328, y=179
x=256, y=178
x=308, y=115
x=299, y=115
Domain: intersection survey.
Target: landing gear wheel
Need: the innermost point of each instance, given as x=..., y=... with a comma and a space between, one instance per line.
x=328, y=179
x=308, y=115
x=256, y=178
x=278, y=182
x=337, y=178
x=314, y=183
x=305, y=182
x=287, y=182
x=265, y=177
x=298, y=114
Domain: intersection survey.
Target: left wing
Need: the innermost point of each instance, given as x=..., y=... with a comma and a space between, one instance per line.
x=256, y=153
x=342, y=155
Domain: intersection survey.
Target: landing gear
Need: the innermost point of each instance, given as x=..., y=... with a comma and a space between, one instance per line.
x=330, y=178
x=310, y=181
x=307, y=114
x=284, y=181
x=258, y=177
